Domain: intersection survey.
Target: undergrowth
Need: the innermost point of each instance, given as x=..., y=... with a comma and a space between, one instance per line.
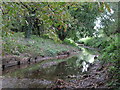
x=15, y=43
x=110, y=53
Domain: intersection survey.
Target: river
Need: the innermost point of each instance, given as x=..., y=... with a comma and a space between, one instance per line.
x=48, y=72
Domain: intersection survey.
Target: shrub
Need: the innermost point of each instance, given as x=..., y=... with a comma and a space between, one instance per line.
x=69, y=42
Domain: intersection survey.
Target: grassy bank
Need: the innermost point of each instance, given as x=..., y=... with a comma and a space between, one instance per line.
x=16, y=44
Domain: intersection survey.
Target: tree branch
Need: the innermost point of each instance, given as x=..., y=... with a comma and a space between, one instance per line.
x=24, y=6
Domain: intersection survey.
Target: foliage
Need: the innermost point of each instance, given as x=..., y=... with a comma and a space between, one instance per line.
x=16, y=44
x=53, y=36
x=86, y=15
x=107, y=40
x=99, y=42
x=69, y=42
x=61, y=21
x=66, y=19
x=11, y=45
x=110, y=47
x=30, y=17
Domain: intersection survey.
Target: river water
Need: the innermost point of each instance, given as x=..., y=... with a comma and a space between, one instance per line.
x=44, y=74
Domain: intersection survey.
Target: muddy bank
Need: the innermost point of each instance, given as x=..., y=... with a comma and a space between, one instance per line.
x=96, y=77
x=12, y=60
x=24, y=83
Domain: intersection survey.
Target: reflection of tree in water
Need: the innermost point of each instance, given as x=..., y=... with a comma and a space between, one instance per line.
x=72, y=67
x=66, y=68
x=61, y=69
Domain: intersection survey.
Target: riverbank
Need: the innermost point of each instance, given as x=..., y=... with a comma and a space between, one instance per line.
x=65, y=73
x=17, y=50
x=36, y=61
x=12, y=60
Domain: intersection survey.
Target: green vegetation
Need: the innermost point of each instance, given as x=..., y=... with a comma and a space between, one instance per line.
x=109, y=50
x=108, y=41
x=48, y=28
x=16, y=44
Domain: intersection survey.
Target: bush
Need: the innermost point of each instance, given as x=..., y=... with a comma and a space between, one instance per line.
x=52, y=36
x=17, y=44
x=11, y=43
x=96, y=42
x=69, y=42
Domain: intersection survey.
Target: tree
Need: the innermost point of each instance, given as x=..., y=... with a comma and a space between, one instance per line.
x=38, y=18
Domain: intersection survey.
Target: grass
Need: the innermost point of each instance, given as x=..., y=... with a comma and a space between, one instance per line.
x=16, y=44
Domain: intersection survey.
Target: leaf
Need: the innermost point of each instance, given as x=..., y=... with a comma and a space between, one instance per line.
x=57, y=24
x=108, y=7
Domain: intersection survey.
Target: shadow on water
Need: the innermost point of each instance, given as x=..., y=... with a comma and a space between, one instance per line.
x=59, y=71
x=52, y=70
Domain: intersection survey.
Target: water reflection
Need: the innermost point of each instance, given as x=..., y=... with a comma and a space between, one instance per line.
x=59, y=71
x=86, y=58
x=73, y=66
x=85, y=66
